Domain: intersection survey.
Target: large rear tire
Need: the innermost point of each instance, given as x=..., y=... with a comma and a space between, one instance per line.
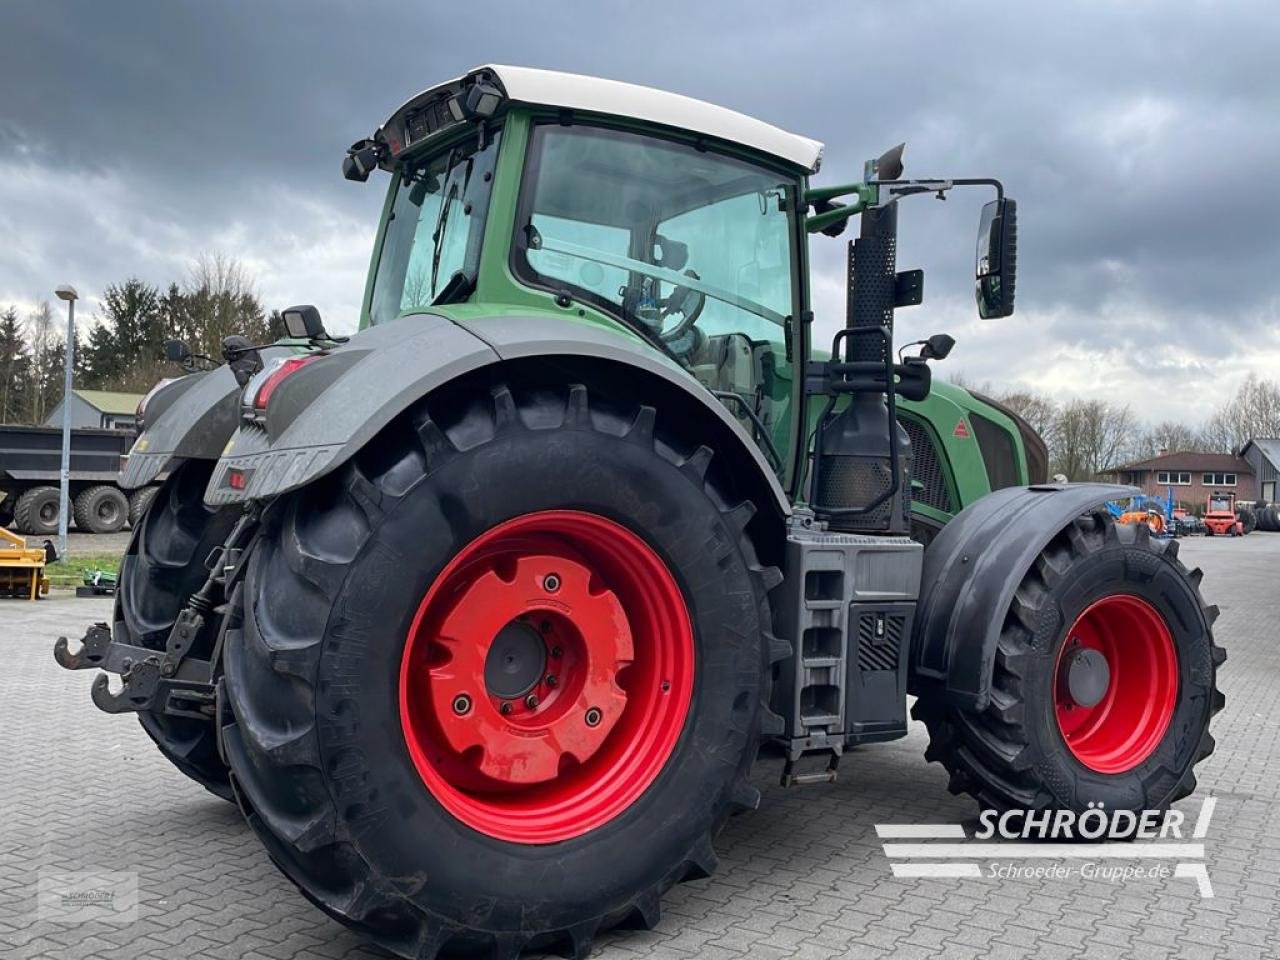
x=163, y=566
x=36, y=512
x=100, y=509
x=387, y=742
x=1098, y=592
x=139, y=501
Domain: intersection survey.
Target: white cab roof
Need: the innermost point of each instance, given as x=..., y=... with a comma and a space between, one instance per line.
x=594, y=95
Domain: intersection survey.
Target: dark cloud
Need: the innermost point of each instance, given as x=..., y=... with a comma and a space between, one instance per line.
x=1139, y=139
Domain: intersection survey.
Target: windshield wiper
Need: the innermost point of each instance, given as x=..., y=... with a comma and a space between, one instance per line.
x=442, y=218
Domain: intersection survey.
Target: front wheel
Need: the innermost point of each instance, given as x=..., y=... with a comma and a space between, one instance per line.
x=501, y=679
x=1103, y=685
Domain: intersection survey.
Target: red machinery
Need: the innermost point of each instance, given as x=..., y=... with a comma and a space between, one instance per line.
x=1220, y=516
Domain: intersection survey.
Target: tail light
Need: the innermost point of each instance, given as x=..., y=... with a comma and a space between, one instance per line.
x=277, y=376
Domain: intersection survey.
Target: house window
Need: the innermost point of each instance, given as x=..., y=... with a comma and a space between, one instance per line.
x=1168, y=478
x=1219, y=479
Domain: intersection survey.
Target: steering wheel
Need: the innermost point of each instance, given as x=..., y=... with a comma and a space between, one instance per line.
x=685, y=301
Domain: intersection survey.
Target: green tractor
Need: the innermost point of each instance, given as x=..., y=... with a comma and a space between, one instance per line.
x=483, y=614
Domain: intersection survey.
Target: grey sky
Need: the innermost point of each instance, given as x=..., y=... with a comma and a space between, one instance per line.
x=1140, y=139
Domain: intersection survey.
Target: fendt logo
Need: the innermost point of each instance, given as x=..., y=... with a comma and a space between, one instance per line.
x=1118, y=846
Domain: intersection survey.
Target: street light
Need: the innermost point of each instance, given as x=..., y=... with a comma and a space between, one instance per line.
x=68, y=293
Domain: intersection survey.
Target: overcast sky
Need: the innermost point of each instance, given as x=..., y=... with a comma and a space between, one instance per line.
x=1141, y=140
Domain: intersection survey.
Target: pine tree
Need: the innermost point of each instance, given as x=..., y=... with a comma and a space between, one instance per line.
x=15, y=369
x=128, y=338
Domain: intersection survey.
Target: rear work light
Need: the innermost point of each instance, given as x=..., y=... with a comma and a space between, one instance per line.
x=277, y=377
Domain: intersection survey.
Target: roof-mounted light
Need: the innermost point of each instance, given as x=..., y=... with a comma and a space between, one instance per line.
x=361, y=160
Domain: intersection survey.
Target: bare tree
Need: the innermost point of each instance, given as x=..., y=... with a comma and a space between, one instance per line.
x=1169, y=436
x=46, y=350
x=1089, y=437
x=217, y=300
x=1254, y=411
x=1035, y=408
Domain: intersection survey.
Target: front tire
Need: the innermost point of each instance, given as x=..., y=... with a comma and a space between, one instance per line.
x=375, y=604
x=1062, y=732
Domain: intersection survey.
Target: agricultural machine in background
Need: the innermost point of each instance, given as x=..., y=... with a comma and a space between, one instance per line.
x=504, y=593
x=1155, y=513
x=1220, y=516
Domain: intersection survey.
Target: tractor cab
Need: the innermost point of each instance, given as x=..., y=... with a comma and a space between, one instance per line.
x=680, y=224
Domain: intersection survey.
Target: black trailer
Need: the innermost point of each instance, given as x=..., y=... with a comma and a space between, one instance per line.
x=30, y=463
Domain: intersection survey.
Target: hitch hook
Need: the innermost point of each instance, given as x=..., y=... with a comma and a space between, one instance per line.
x=123, y=702
x=92, y=652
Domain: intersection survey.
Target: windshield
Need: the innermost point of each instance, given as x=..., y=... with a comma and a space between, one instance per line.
x=692, y=248
x=431, y=248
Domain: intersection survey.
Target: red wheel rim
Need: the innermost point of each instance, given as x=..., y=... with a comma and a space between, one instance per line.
x=1126, y=724
x=583, y=607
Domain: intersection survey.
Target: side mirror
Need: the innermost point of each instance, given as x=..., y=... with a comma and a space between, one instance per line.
x=997, y=259
x=302, y=323
x=177, y=351
x=938, y=347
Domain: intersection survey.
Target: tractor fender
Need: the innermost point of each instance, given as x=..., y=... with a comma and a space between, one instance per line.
x=971, y=571
x=320, y=416
x=191, y=418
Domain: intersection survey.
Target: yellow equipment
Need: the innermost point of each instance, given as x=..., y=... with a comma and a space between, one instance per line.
x=21, y=568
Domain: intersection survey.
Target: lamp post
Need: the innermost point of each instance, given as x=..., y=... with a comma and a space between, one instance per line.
x=68, y=293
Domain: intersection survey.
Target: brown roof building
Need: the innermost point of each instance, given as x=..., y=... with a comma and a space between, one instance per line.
x=1191, y=476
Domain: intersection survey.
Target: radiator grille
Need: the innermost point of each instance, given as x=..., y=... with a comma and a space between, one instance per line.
x=926, y=467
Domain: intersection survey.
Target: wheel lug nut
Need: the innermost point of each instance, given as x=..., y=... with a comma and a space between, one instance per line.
x=531, y=701
x=551, y=582
x=505, y=708
x=557, y=652
x=461, y=704
x=551, y=680
x=593, y=717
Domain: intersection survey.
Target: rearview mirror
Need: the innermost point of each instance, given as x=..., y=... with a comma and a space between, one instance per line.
x=302, y=323
x=176, y=351
x=997, y=258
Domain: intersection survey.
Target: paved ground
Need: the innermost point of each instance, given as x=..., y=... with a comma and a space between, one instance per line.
x=803, y=877
x=84, y=544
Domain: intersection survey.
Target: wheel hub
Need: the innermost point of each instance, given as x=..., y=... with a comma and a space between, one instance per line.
x=547, y=676
x=517, y=661
x=1088, y=676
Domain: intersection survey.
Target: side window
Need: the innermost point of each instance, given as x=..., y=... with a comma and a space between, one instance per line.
x=690, y=247
x=742, y=245
x=602, y=280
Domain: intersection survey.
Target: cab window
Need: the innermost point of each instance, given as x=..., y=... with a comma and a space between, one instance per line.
x=431, y=246
x=690, y=247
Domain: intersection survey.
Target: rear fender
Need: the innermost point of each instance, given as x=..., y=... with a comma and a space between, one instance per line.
x=971, y=571
x=191, y=418
x=322, y=415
